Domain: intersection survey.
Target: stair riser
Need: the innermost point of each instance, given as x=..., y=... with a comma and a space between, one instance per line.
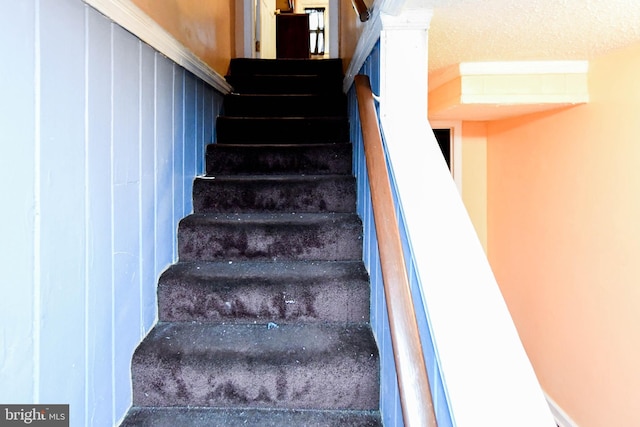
x=245, y=382
x=245, y=66
x=286, y=84
x=232, y=130
x=223, y=194
x=284, y=105
x=292, y=159
x=264, y=300
x=256, y=241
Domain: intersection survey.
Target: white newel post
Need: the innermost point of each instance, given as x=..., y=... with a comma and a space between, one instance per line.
x=404, y=65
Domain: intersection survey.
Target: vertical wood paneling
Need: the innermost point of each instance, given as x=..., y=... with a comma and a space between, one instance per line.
x=147, y=184
x=115, y=145
x=207, y=121
x=190, y=165
x=178, y=148
x=99, y=309
x=17, y=186
x=165, y=230
x=200, y=102
x=62, y=240
x=126, y=193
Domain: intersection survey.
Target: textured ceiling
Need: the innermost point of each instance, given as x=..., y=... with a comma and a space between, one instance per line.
x=503, y=30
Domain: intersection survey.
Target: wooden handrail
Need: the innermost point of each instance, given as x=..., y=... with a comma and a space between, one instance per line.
x=361, y=9
x=413, y=382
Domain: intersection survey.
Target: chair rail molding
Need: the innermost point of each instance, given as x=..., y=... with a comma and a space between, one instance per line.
x=130, y=17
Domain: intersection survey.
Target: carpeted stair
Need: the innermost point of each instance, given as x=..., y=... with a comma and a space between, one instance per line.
x=264, y=319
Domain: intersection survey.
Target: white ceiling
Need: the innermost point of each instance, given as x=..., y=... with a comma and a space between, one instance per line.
x=501, y=30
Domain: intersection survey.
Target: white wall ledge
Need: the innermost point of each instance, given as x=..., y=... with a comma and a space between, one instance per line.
x=493, y=68
x=481, y=91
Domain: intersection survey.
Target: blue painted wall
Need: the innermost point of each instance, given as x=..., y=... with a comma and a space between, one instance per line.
x=389, y=395
x=100, y=138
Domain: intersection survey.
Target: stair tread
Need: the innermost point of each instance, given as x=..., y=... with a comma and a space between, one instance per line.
x=340, y=118
x=285, y=105
x=272, y=145
x=321, y=129
x=211, y=417
x=275, y=178
x=267, y=343
x=289, y=159
x=274, y=84
x=282, y=74
x=340, y=96
x=304, y=366
x=276, y=272
x=270, y=236
x=275, y=193
x=252, y=66
x=249, y=291
x=297, y=218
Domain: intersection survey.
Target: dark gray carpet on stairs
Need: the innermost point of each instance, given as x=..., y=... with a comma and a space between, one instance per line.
x=264, y=320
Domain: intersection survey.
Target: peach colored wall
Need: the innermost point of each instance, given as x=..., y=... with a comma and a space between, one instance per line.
x=207, y=28
x=350, y=31
x=564, y=242
x=474, y=176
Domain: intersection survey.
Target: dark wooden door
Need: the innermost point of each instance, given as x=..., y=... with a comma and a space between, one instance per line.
x=292, y=35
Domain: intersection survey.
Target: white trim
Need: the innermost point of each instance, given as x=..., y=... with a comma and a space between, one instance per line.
x=559, y=414
x=456, y=147
x=134, y=20
x=248, y=28
x=386, y=14
x=502, y=68
x=334, y=29
x=524, y=67
x=365, y=45
x=241, y=38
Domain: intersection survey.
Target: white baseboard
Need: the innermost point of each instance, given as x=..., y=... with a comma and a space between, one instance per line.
x=559, y=414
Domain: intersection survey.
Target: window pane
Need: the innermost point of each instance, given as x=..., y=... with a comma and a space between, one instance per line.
x=313, y=21
x=312, y=42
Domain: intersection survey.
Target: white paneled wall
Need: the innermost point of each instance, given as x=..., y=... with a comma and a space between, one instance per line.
x=100, y=139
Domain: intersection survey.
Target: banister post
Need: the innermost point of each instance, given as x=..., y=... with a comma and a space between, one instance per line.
x=404, y=53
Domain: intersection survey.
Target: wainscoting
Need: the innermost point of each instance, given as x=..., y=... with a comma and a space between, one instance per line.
x=101, y=137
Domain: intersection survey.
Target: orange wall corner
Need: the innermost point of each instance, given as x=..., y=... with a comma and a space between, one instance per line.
x=205, y=28
x=563, y=202
x=474, y=176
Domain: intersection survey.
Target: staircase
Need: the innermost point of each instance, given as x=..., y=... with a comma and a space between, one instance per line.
x=264, y=319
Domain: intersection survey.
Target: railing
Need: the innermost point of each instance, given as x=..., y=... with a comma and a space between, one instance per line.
x=413, y=383
x=361, y=9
